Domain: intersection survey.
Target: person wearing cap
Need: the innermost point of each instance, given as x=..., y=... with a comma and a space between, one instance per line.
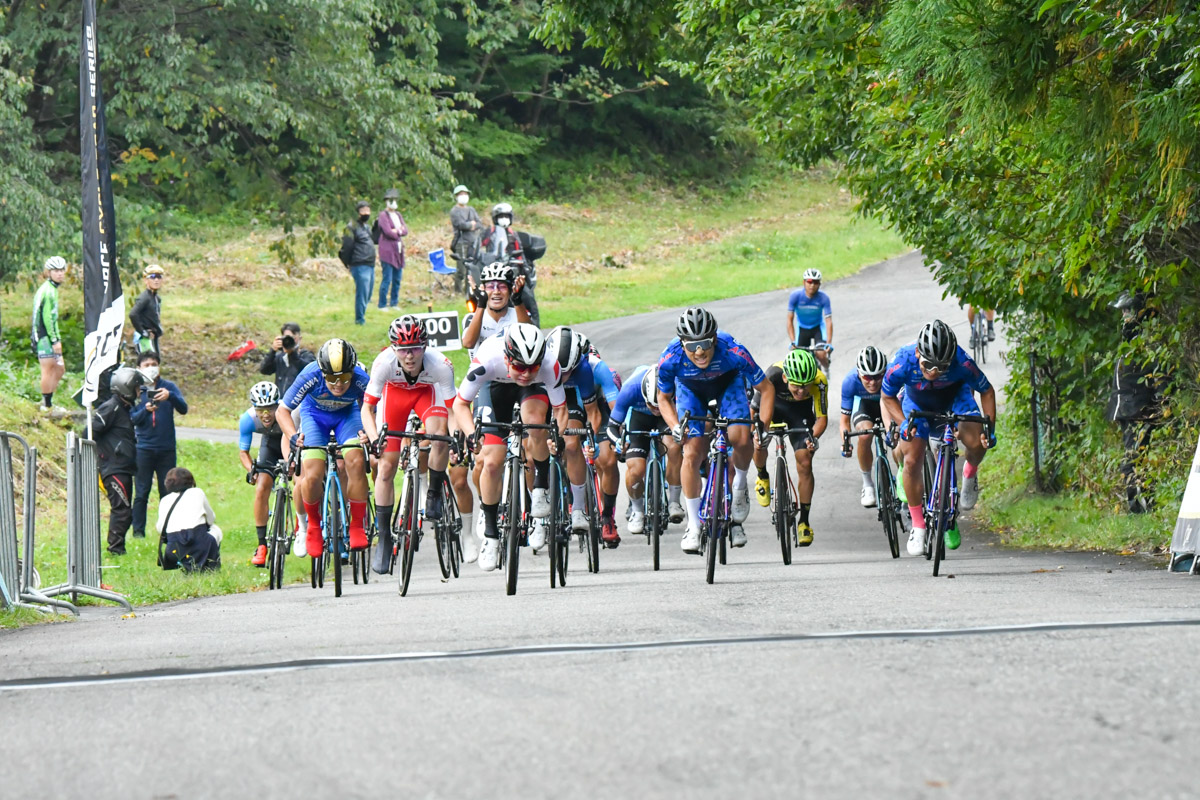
x=145, y=317
x=467, y=224
x=44, y=333
x=391, y=250
x=359, y=250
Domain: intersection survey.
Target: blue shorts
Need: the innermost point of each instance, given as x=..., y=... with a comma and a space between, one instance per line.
x=730, y=392
x=962, y=403
x=317, y=424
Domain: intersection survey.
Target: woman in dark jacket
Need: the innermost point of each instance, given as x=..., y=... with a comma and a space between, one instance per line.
x=188, y=526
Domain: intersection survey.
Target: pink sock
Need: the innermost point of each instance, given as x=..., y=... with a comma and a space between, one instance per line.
x=969, y=470
x=918, y=516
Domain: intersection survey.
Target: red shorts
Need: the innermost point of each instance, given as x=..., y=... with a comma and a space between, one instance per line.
x=399, y=402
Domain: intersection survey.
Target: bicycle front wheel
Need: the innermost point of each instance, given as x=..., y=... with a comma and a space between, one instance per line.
x=557, y=521
x=655, y=510
x=783, y=508
x=593, y=514
x=943, y=512
x=277, y=549
x=885, y=500
x=513, y=524
x=333, y=522
x=716, y=519
x=412, y=529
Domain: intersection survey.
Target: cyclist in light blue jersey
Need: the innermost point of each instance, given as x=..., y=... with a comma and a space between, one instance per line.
x=810, y=316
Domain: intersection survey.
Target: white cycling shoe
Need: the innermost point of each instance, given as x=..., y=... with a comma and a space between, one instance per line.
x=637, y=522
x=741, y=504
x=539, y=503
x=868, y=497
x=579, y=520
x=675, y=512
x=537, y=534
x=470, y=548
x=970, y=494
x=300, y=546
x=737, y=535
x=916, y=542
x=691, y=540
x=489, y=555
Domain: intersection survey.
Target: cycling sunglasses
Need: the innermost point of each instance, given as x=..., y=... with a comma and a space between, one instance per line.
x=699, y=345
x=339, y=380
x=863, y=377
x=816, y=282
x=932, y=366
x=524, y=369
x=495, y=286
x=408, y=351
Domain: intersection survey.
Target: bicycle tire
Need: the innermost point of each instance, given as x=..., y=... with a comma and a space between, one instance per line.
x=333, y=520
x=316, y=571
x=412, y=530
x=513, y=545
x=943, y=513
x=783, y=505
x=364, y=556
x=655, y=509
x=441, y=533
x=885, y=501
x=716, y=511
x=592, y=505
x=556, y=522
x=278, y=528
x=928, y=468
x=453, y=526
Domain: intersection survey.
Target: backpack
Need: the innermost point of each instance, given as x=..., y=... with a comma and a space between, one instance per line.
x=375, y=231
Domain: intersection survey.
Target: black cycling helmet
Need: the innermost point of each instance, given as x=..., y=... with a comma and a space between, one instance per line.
x=125, y=383
x=696, y=323
x=937, y=343
x=337, y=357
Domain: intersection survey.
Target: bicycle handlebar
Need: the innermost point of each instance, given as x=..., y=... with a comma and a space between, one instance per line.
x=950, y=419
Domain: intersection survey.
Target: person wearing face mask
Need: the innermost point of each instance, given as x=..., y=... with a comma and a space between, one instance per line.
x=467, y=225
x=501, y=243
x=391, y=250
x=154, y=422
x=358, y=254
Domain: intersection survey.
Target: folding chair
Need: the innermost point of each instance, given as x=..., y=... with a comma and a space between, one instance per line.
x=438, y=268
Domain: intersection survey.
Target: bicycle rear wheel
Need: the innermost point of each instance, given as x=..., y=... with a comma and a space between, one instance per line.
x=783, y=508
x=885, y=500
x=655, y=518
x=513, y=523
x=943, y=512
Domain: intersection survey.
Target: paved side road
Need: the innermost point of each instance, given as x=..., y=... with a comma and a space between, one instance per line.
x=826, y=678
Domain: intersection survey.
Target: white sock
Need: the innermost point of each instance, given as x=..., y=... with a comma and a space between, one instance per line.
x=302, y=519
x=739, y=479
x=578, y=501
x=674, y=493
x=466, y=528
x=639, y=505
x=868, y=481
x=693, y=511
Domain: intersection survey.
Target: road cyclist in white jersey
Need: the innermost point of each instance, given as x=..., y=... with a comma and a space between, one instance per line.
x=408, y=377
x=519, y=370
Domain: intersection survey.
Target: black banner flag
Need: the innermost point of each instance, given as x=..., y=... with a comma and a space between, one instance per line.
x=103, y=303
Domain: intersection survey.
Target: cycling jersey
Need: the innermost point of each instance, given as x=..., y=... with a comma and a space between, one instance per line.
x=490, y=366
x=426, y=395
x=818, y=391
x=490, y=326
x=630, y=397
x=952, y=391
x=250, y=424
x=580, y=383
x=810, y=312
x=325, y=412
x=44, y=332
x=725, y=378
x=853, y=391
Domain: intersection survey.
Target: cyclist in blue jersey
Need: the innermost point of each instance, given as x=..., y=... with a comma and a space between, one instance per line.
x=810, y=316
x=636, y=409
x=329, y=393
x=937, y=375
x=706, y=364
x=260, y=419
x=861, y=411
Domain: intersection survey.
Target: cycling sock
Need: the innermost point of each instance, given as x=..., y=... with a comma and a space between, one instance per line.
x=639, y=505
x=48, y=399
x=674, y=493
x=541, y=474
x=490, y=510
x=261, y=530
x=358, y=514
x=302, y=520
x=969, y=470
x=577, y=499
x=867, y=479
x=804, y=507
x=762, y=473
x=739, y=479
x=383, y=515
x=918, y=516
x=610, y=505
x=313, y=512
x=693, y=511
x=466, y=526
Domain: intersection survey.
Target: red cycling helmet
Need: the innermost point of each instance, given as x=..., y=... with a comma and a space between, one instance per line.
x=408, y=331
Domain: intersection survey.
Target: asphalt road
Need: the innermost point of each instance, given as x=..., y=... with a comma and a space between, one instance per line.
x=846, y=674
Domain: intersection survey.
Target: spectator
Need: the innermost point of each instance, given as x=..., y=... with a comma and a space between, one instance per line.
x=286, y=357
x=1136, y=403
x=467, y=227
x=112, y=430
x=154, y=421
x=187, y=526
x=145, y=318
x=43, y=331
x=501, y=243
x=391, y=250
x=358, y=254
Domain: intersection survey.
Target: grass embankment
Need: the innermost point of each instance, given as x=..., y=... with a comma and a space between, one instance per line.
x=621, y=250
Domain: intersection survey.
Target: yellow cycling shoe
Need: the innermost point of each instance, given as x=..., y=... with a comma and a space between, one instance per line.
x=804, y=534
x=762, y=490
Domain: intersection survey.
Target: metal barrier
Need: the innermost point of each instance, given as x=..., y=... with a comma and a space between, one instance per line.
x=16, y=579
x=83, y=525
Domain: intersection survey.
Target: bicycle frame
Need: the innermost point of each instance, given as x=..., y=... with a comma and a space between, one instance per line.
x=713, y=513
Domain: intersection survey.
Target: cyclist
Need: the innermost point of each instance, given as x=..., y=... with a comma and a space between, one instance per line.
x=409, y=378
x=705, y=364
x=260, y=419
x=810, y=316
x=801, y=399
x=861, y=410
x=636, y=408
x=501, y=243
x=608, y=386
x=328, y=393
x=44, y=333
x=991, y=323
x=520, y=370
x=937, y=376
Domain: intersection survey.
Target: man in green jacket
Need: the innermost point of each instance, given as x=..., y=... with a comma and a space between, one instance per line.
x=44, y=330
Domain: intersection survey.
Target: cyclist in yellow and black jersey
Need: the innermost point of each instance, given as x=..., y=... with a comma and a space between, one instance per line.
x=801, y=400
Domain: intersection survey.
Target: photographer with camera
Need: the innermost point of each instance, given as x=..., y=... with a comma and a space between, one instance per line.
x=154, y=423
x=286, y=357
x=502, y=244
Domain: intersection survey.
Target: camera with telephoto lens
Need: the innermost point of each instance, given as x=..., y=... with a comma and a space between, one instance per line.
x=288, y=341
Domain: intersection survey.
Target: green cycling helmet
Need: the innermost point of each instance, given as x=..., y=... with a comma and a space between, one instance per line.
x=800, y=367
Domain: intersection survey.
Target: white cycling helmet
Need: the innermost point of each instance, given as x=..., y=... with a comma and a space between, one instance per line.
x=812, y=274
x=264, y=394
x=871, y=361
x=650, y=387
x=568, y=346
x=524, y=344
x=55, y=262
x=696, y=323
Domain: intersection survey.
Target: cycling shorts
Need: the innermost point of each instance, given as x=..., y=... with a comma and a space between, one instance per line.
x=399, y=403
x=576, y=413
x=317, y=424
x=638, y=444
x=730, y=392
x=504, y=396
x=866, y=411
x=45, y=349
x=961, y=403
x=806, y=337
x=794, y=414
x=270, y=451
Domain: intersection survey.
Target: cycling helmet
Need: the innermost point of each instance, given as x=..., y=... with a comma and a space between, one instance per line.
x=524, y=344
x=568, y=346
x=55, y=262
x=696, y=323
x=408, y=331
x=498, y=272
x=800, y=367
x=501, y=210
x=871, y=361
x=936, y=342
x=337, y=357
x=125, y=383
x=812, y=274
x=264, y=394
x=650, y=387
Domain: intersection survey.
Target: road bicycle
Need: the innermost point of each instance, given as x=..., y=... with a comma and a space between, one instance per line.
x=822, y=351
x=558, y=533
x=941, y=499
x=589, y=540
x=281, y=521
x=784, y=505
x=715, y=501
x=887, y=504
x=335, y=534
x=979, y=338
x=657, y=517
